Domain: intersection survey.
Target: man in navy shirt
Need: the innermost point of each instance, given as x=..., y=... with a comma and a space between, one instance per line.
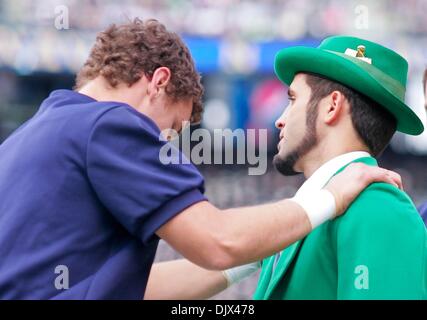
x=85, y=198
x=423, y=207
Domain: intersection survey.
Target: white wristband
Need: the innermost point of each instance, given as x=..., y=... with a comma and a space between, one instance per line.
x=236, y=274
x=320, y=206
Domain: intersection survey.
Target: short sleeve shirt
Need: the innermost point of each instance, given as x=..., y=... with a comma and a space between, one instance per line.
x=83, y=192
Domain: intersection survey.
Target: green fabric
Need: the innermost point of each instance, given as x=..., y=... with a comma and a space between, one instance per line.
x=376, y=250
x=384, y=80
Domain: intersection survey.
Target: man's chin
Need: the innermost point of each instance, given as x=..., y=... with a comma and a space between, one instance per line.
x=285, y=165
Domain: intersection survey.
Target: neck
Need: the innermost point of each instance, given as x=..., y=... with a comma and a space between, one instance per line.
x=328, y=150
x=100, y=90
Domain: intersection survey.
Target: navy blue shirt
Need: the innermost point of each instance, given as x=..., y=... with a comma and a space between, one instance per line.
x=423, y=211
x=82, y=186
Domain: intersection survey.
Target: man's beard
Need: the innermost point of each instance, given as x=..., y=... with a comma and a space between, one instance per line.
x=286, y=164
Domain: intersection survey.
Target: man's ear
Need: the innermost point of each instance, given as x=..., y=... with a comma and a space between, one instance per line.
x=159, y=80
x=335, y=107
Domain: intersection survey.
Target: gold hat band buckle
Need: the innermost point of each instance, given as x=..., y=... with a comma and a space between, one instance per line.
x=359, y=54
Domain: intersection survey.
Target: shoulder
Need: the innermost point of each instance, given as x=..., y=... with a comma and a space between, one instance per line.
x=121, y=131
x=124, y=116
x=382, y=206
x=383, y=196
x=83, y=122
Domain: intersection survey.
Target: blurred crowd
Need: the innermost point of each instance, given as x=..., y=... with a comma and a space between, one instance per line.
x=31, y=42
x=269, y=19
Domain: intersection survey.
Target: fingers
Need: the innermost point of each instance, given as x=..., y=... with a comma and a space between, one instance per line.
x=361, y=176
x=375, y=174
x=396, y=178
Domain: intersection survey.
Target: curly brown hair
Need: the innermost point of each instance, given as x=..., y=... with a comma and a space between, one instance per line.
x=123, y=53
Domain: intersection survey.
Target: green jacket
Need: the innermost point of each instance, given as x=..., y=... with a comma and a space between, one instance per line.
x=376, y=250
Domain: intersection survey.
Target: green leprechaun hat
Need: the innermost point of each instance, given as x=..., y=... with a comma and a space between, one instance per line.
x=367, y=67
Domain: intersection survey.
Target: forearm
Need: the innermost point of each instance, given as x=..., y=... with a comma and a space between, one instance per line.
x=218, y=240
x=254, y=233
x=183, y=280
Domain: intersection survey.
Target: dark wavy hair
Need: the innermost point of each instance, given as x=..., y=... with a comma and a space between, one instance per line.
x=373, y=123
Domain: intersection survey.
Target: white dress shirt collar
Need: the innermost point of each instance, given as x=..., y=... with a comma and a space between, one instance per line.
x=325, y=172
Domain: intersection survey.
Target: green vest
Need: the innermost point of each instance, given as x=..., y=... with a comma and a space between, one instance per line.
x=376, y=250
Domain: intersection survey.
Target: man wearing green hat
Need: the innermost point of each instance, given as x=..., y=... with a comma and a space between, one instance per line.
x=346, y=102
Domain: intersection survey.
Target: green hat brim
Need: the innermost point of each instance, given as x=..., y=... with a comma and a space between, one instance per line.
x=352, y=73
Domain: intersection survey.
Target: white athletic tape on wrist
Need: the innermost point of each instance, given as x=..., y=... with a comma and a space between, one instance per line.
x=320, y=206
x=236, y=274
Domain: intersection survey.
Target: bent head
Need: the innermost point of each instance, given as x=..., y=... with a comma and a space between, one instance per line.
x=149, y=66
x=323, y=115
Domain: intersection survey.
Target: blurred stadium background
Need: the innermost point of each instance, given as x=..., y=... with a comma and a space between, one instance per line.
x=233, y=43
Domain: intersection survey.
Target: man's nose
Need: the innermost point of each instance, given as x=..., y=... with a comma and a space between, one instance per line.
x=281, y=121
x=280, y=124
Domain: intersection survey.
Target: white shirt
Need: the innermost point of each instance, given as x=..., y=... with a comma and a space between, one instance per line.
x=326, y=171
